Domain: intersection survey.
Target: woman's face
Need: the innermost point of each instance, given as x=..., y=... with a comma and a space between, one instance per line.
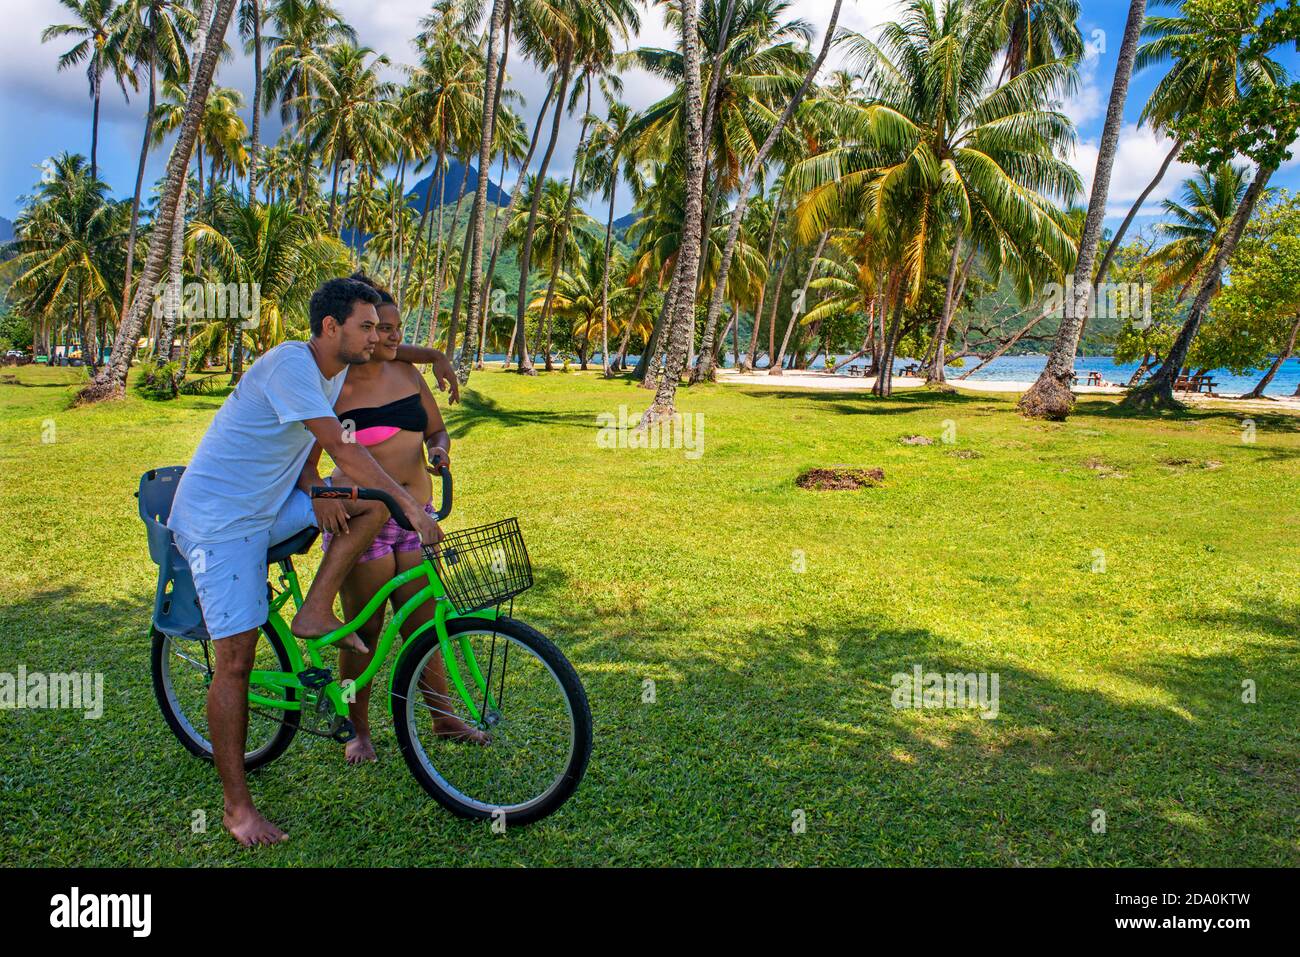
x=390, y=333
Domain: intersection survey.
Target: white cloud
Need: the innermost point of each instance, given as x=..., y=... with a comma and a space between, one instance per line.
x=1138, y=157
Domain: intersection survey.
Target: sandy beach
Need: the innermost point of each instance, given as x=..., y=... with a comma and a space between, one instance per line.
x=806, y=379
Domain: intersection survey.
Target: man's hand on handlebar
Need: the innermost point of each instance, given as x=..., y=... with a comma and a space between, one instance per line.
x=331, y=515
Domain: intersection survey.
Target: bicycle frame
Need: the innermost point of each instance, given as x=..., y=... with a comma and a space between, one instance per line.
x=444, y=611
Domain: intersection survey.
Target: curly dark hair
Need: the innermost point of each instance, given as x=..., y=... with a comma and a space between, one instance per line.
x=336, y=297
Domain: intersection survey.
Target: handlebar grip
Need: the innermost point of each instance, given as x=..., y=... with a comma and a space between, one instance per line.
x=445, y=510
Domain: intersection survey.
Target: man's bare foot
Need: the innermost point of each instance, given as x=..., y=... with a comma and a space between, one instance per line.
x=359, y=750
x=250, y=829
x=454, y=729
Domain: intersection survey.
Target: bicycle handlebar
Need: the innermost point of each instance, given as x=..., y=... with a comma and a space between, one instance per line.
x=354, y=492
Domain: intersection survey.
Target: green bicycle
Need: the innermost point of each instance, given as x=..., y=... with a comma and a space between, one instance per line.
x=537, y=721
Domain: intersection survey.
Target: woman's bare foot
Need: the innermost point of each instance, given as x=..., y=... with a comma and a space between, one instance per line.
x=454, y=729
x=250, y=829
x=359, y=750
x=309, y=623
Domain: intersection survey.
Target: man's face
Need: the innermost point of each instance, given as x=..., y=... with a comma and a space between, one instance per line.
x=358, y=335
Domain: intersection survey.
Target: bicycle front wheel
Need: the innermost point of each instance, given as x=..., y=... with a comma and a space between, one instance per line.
x=528, y=748
x=183, y=670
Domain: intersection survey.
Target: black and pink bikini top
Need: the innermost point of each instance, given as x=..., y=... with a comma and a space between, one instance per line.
x=379, y=423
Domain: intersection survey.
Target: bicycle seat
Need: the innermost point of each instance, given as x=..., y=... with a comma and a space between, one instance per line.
x=297, y=545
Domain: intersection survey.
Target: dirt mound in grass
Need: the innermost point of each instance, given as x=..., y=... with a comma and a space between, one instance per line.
x=840, y=477
x=916, y=440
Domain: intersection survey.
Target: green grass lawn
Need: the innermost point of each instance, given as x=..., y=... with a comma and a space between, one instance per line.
x=1123, y=577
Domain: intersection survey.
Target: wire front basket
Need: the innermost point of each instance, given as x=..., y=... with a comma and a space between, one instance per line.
x=484, y=566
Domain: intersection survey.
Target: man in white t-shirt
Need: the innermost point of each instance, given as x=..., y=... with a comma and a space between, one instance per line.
x=246, y=489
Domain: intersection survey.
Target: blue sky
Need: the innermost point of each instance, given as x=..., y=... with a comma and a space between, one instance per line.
x=43, y=111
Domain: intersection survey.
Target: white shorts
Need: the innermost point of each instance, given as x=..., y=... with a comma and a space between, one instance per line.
x=230, y=577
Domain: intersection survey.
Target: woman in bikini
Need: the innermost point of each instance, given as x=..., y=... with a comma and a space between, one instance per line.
x=390, y=409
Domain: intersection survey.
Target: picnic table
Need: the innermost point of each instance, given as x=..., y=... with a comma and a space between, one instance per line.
x=1202, y=382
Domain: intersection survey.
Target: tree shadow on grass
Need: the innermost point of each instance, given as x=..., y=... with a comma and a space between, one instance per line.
x=743, y=725
x=475, y=409
x=864, y=403
x=1264, y=421
x=763, y=720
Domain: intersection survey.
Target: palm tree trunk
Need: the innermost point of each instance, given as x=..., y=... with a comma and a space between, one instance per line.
x=776, y=302
x=493, y=80
x=1158, y=392
x=255, y=146
x=646, y=366
x=441, y=279
x=424, y=215
x=1001, y=350
x=934, y=374
x=681, y=322
x=111, y=382
x=94, y=121
x=1282, y=356
x=617, y=365
x=1115, y=241
x=526, y=252
x=604, y=279
x=779, y=360
x=1050, y=397
x=139, y=187
x=884, y=384
x=515, y=193
x=750, y=362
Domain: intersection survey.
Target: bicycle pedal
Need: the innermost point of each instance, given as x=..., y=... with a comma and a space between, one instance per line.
x=345, y=732
x=315, y=678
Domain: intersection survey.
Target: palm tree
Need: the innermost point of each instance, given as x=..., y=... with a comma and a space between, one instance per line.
x=1192, y=86
x=1199, y=223
x=349, y=119
x=111, y=381
x=1050, y=397
x=1036, y=32
x=953, y=166
x=549, y=35
x=602, y=171
x=553, y=241
x=295, y=65
x=704, y=370
x=274, y=249
x=99, y=29
x=69, y=244
x=438, y=106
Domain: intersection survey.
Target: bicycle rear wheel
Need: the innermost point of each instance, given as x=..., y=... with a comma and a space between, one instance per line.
x=534, y=710
x=182, y=670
